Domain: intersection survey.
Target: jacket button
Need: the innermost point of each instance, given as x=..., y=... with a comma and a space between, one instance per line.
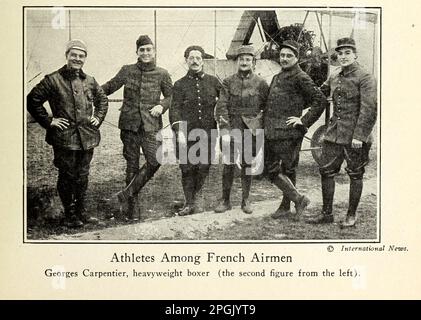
x=339, y=118
x=200, y=118
x=200, y=110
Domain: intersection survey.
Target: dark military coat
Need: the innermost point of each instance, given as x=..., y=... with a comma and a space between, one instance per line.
x=194, y=99
x=292, y=91
x=75, y=98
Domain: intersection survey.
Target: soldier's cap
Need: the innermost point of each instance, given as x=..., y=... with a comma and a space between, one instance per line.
x=76, y=44
x=291, y=44
x=143, y=40
x=246, y=49
x=191, y=48
x=345, y=43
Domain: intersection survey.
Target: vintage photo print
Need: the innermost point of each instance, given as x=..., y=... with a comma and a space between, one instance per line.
x=209, y=151
x=201, y=124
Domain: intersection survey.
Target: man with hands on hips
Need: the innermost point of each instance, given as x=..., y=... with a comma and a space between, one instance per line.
x=291, y=91
x=78, y=106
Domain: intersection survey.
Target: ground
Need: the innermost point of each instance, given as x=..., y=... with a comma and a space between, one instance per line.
x=159, y=197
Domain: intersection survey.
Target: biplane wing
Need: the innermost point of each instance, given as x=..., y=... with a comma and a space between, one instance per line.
x=268, y=22
x=246, y=25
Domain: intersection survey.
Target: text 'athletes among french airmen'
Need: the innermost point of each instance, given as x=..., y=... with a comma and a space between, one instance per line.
x=208, y=257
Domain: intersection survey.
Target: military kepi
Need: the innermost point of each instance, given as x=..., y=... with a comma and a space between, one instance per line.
x=291, y=44
x=345, y=43
x=246, y=49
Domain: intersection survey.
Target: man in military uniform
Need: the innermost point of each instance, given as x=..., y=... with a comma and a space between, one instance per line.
x=241, y=107
x=193, y=105
x=141, y=117
x=78, y=105
x=291, y=91
x=348, y=135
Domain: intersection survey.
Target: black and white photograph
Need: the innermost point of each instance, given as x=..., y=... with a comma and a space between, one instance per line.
x=227, y=152
x=201, y=124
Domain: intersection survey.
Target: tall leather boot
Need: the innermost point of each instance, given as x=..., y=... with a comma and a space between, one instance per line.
x=131, y=209
x=284, y=208
x=200, y=179
x=66, y=193
x=131, y=200
x=136, y=184
x=80, y=188
x=201, y=175
x=289, y=190
x=227, y=180
x=246, y=185
x=355, y=190
x=328, y=191
x=188, y=182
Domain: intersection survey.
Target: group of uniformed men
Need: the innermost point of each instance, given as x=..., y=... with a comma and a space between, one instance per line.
x=243, y=102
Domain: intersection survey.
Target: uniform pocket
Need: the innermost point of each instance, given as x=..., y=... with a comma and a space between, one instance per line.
x=63, y=135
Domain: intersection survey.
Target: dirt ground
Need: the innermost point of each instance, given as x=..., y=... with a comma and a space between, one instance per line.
x=163, y=192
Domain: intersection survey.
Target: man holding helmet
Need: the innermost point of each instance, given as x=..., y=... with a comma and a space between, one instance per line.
x=240, y=107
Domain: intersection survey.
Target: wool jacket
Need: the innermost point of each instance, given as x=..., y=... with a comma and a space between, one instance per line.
x=143, y=85
x=354, y=96
x=242, y=102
